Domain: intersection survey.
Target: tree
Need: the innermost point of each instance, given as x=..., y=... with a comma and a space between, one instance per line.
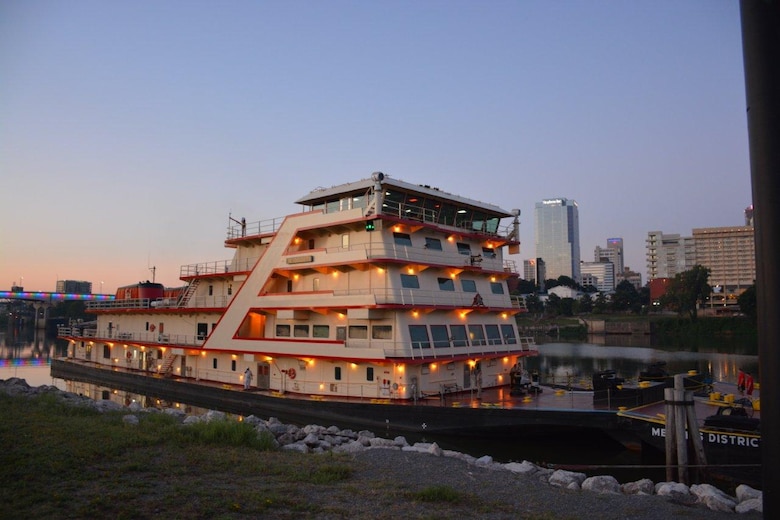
x=747, y=301
x=534, y=304
x=525, y=287
x=600, y=304
x=686, y=290
x=625, y=297
x=585, y=303
x=553, y=304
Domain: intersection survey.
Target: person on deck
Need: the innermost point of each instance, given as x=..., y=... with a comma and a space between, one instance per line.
x=741, y=381
x=247, y=378
x=749, y=384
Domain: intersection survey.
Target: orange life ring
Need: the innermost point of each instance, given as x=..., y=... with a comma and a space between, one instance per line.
x=151, y=327
x=291, y=373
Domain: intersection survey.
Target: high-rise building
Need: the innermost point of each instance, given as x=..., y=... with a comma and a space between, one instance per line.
x=633, y=277
x=74, y=287
x=612, y=253
x=730, y=255
x=668, y=255
x=529, y=270
x=601, y=274
x=558, y=237
x=749, y=215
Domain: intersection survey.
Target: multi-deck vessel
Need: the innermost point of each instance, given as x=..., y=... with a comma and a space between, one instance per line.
x=378, y=289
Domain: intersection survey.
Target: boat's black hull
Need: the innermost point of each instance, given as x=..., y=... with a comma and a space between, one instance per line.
x=355, y=414
x=729, y=453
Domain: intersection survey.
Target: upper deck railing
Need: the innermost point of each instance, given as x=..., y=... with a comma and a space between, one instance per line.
x=217, y=267
x=389, y=208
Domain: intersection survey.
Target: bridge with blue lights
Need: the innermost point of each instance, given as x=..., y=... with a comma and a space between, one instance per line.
x=53, y=297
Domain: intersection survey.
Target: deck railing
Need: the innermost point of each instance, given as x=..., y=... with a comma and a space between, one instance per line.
x=131, y=337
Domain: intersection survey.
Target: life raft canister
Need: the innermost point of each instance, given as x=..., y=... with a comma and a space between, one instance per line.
x=291, y=373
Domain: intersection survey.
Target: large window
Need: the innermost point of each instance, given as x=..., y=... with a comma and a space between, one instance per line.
x=464, y=248
x=496, y=287
x=433, y=243
x=402, y=239
x=283, y=331
x=509, y=334
x=321, y=331
x=301, y=331
x=476, y=334
x=493, y=335
x=468, y=285
x=410, y=281
x=446, y=284
x=459, y=336
x=382, y=332
x=358, y=332
x=488, y=252
x=419, y=336
x=440, y=336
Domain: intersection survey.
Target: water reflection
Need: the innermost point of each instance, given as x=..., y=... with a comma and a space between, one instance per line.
x=576, y=362
x=27, y=352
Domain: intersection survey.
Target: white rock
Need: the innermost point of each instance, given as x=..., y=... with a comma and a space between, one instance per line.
x=713, y=497
x=671, y=488
x=751, y=505
x=485, y=460
x=643, y=486
x=563, y=478
x=601, y=484
x=745, y=492
x=130, y=419
x=523, y=468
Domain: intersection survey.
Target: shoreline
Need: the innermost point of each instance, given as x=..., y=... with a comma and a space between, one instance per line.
x=523, y=485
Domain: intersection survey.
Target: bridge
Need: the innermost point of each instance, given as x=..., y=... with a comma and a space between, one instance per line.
x=42, y=300
x=53, y=297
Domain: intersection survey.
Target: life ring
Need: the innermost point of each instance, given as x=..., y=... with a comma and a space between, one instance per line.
x=291, y=373
x=129, y=354
x=152, y=327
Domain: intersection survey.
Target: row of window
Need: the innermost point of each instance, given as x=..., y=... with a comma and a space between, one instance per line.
x=411, y=281
x=302, y=330
x=441, y=336
x=422, y=336
x=405, y=239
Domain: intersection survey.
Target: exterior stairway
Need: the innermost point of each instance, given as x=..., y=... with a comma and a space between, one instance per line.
x=192, y=288
x=167, y=366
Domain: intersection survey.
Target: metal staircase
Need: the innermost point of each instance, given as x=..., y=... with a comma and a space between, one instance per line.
x=188, y=293
x=167, y=366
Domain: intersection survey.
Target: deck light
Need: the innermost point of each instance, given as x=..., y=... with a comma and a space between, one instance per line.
x=370, y=226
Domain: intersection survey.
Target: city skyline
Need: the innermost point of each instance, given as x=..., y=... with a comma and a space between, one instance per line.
x=131, y=132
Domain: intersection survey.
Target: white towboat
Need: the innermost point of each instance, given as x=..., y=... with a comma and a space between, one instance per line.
x=377, y=289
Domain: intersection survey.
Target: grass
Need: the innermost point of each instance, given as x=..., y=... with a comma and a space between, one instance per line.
x=61, y=461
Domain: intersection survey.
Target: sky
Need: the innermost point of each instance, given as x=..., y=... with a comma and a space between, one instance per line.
x=131, y=130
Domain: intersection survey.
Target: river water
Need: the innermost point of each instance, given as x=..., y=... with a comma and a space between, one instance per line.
x=27, y=354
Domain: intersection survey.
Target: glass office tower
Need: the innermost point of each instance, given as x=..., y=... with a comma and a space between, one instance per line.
x=558, y=237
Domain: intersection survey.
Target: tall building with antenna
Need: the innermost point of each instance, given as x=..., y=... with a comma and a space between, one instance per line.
x=557, y=237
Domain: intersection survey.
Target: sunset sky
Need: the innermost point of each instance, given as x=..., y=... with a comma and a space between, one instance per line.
x=129, y=131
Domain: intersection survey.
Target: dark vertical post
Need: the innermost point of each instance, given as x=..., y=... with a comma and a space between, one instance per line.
x=761, y=50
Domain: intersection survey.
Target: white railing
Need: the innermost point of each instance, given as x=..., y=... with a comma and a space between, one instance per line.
x=131, y=337
x=217, y=267
x=426, y=350
x=260, y=227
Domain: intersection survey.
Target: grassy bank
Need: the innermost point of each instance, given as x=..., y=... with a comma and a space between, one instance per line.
x=60, y=461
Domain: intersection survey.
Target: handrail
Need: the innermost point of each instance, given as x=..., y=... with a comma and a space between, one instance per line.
x=131, y=337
